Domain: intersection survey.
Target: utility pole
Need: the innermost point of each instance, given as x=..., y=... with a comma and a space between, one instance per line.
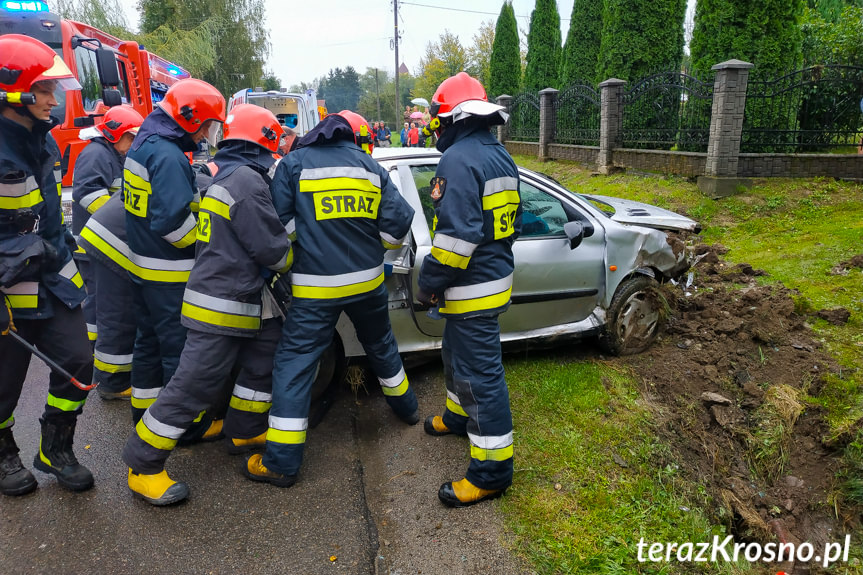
x=398, y=106
x=377, y=94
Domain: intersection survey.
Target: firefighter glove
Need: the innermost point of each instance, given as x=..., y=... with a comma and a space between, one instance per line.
x=426, y=298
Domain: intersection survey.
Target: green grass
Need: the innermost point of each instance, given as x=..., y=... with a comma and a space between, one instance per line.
x=592, y=478
x=574, y=509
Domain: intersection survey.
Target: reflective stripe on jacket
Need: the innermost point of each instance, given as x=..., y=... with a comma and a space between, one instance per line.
x=238, y=234
x=344, y=212
x=477, y=218
x=30, y=181
x=104, y=237
x=98, y=176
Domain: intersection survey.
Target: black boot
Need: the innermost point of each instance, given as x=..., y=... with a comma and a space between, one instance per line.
x=14, y=478
x=56, y=456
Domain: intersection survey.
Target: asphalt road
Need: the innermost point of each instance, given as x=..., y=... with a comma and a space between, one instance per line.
x=366, y=502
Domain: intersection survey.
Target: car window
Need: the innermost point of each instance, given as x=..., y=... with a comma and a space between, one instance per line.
x=542, y=214
x=422, y=177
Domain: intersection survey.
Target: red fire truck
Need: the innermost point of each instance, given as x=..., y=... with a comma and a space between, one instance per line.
x=111, y=71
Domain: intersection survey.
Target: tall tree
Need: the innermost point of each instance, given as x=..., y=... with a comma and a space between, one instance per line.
x=106, y=15
x=831, y=10
x=479, y=55
x=341, y=89
x=764, y=32
x=505, y=64
x=641, y=37
x=581, y=52
x=444, y=58
x=543, y=47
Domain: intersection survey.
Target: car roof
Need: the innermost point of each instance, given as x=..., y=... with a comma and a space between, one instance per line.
x=384, y=154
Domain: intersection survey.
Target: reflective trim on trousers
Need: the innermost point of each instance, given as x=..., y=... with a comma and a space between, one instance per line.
x=112, y=363
x=8, y=423
x=156, y=433
x=287, y=430
x=453, y=404
x=64, y=404
x=144, y=398
x=491, y=448
x=396, y=385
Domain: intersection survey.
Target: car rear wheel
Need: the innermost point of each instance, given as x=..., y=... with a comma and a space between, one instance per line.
x=635, y=317
x=332, y=368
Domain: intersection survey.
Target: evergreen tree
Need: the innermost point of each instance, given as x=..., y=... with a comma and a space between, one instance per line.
x=640, y=37
x=581, y=52
x=764, y=32
x=543, y=47
x=341, y=89
x=505, y=65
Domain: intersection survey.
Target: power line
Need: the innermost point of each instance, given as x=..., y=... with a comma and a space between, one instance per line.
x=468, y=11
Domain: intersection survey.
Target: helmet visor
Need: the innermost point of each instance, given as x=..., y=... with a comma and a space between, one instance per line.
x=60, y=73
x=211, y=133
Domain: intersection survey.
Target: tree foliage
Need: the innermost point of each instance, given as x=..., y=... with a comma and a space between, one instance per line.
x=479, y=54
x=444, y=58
x=640, y=38
x=581, y=52
x=831, y=10
x=839, y=42
x=505, y=62
x=764, y=32
x=543, y=47
x=106, y=15
x=341, y=89
x=234, y=29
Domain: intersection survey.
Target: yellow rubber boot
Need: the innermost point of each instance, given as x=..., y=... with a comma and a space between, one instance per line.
x=214, y=432
x=126, y=394
x=157, y=489
x=463, y=493
x=257, y=471
x=238, y=446
x=434, y=425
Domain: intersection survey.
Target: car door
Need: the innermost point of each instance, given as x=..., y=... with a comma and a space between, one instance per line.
x=553, y=283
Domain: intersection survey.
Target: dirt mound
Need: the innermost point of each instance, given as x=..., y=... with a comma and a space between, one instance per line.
x=727, y=382
x=842, y=268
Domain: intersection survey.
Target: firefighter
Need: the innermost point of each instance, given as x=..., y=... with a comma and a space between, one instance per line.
x=468, y=278
x=161, y=200
x=344, y=212
x=230, y=315
x=98, y=177
x=44, y=292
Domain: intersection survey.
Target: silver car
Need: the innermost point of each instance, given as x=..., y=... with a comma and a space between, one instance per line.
x=585, y=266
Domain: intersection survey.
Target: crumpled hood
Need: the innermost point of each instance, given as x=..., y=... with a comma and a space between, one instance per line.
x=641, y=214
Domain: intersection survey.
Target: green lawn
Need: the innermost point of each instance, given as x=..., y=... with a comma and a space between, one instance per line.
x=592, y=478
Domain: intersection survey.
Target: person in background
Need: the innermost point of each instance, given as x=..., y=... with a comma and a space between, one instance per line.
x=413, y=135
x=343, y=212
x=42, y=290
x=467, y=277
x=384, y=135
x=403, y=136
x=98, y=178
x=407, y=114
x=375, y=128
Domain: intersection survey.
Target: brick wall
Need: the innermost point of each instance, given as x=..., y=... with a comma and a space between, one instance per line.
x=848, y=166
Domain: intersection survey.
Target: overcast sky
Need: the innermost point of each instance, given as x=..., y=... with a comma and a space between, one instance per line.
x=310, y=37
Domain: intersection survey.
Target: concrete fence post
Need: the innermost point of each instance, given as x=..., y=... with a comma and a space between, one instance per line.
x=504, y=100
x=610, y=123
x=547, y=121
x=726, y=130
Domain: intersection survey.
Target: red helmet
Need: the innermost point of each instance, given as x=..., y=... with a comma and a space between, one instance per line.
x=119, y=120
x=254, y=124
x=461, y=96
x=362, y=133
x=25, y=61
x=192, y=102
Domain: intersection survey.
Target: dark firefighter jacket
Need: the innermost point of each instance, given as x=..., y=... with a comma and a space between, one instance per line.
x=104, y=236
x=30, y=192
x=238, y=234
x=98, y=176
x=477, y=218
x=344, y=211
x=160, y=197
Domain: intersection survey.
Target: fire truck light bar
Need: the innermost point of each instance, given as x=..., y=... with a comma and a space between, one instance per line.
x=13, y=6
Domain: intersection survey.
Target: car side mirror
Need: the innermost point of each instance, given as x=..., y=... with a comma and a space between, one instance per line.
x=575, y=232
x=111, y=97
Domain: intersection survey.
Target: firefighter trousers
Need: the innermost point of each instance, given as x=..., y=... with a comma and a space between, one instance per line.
x=63, y=338
x=159, y=340
x=115, y=320
x=198, y=383
x=478, y=399
x=85, y=268
x=309, y=329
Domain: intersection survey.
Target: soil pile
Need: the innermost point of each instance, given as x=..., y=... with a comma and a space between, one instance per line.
x=728, y=382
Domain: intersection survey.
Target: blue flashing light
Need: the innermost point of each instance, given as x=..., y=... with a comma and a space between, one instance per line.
x=23, y=6
x=173, y=70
